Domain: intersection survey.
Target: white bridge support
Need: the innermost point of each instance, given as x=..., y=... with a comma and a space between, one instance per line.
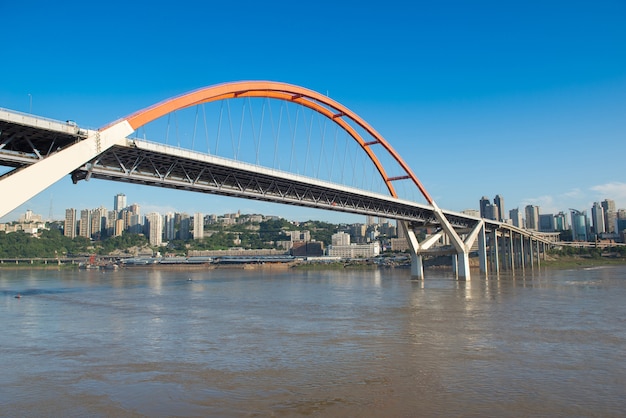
x=482, y=250
x=460, y=260
x=416, y=248
x=495, y=251
x=23, y=184
x=512, y=250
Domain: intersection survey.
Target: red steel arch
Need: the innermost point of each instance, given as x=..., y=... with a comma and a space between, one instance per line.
x=288, y=92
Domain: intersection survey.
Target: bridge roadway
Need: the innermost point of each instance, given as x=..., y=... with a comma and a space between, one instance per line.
x=26, y=140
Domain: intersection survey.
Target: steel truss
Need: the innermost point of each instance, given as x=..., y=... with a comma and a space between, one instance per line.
x=170, y=168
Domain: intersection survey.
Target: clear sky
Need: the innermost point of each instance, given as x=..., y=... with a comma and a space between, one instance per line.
x=526, y=99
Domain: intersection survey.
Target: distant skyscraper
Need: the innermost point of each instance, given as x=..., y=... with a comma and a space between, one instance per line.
x=169, y=232
x=119, y=202
x=491, y=212
x=597, y=217
x=84, y=227
x=98, y=223
x=546, y=223
x=532, y=217
x=111, y=223
x=119, y=227
x=155, y=228
x=484, y=202
x=579, y=225
x=560, y=222
x=132, y=219
x=184, y=224
x=516, y=218
x=499, y=202
x=69, y=227
x=198, y=225
x=610, y=215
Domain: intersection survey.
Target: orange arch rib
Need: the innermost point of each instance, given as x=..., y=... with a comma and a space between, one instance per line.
x=288, y=92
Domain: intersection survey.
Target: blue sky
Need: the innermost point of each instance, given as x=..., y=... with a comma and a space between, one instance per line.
x=522, y=99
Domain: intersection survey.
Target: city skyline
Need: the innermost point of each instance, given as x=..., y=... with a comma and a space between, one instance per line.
x=344, y=218
x=528, y=217
x=487, y=99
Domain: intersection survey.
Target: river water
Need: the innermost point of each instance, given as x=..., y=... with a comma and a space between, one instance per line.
x=371, y=343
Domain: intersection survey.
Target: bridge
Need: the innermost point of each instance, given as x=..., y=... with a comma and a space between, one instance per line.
x=41, y=151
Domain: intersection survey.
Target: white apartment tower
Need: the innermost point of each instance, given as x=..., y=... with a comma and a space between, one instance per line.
x=119, y=202
x=155, y=228
x=84, y=227
x=198, y=225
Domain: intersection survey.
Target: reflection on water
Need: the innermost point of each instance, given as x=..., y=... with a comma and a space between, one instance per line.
x=293, y=343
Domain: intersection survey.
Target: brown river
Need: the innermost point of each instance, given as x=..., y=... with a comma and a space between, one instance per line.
x=292, y=343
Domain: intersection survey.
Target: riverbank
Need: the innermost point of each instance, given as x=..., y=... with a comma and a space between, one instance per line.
x=580, y=261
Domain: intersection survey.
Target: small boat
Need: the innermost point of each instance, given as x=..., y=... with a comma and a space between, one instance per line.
x=18, y=296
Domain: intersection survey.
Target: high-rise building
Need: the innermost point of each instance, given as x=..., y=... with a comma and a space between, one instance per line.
x=184, y=225
x=98, y=223
x=560, y=222
x=119, y=227
x=546, y=223
x=155, y=228
x=84, y=225
x=610, y=215
x=484, y=202
x=198, y=225
x=516, y=218
x=112, y=223
x=132, y=219
x=119, y=202
x=620, y=222
x=69, y=227
x=532, y=217
x=491, y=212
x=499, y=202
x=169, y=231
x=579, y=225
x=597, y=218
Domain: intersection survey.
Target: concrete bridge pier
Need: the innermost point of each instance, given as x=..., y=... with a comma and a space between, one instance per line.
x=482, y=251
x=416, y=248
x=494, y=248
x=460, y=266
x=417, y=266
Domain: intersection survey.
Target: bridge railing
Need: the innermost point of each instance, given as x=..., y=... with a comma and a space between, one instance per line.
x=28, y=119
